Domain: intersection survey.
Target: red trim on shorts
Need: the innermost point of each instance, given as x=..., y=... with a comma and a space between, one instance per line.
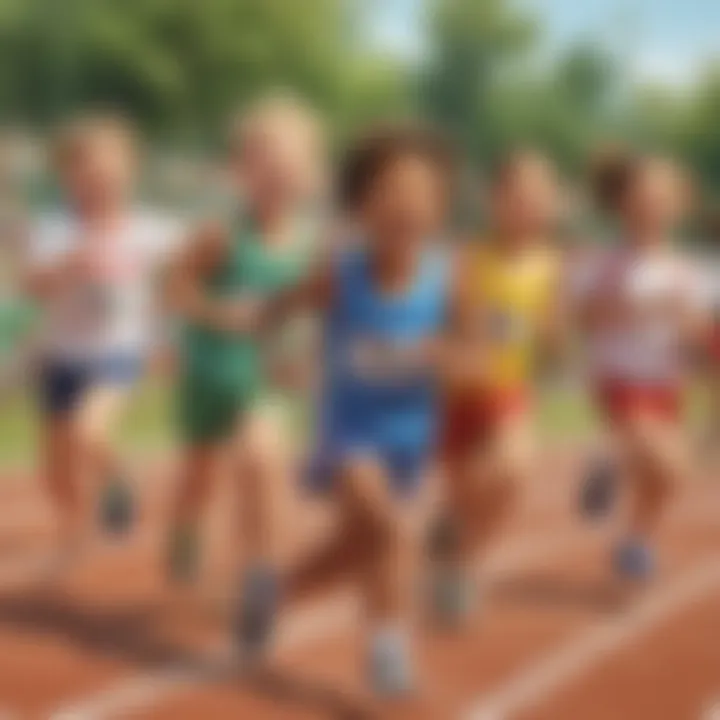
x=714, y=344
x=471, y=418
x=622, y=399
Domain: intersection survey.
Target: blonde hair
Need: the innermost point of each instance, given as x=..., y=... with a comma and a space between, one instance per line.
x=75, y=135
x=277, y=108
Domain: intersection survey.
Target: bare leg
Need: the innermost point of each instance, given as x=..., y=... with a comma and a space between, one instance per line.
x=61, y=457
x=263, y=474
x=386, y=574
x=93, y=420
x=657, y=457
x=200, y=469
x=484, y=492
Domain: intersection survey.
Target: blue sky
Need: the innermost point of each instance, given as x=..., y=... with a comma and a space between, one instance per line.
x=663, y=39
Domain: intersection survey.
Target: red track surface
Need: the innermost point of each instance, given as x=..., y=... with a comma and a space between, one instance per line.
x=108, y=638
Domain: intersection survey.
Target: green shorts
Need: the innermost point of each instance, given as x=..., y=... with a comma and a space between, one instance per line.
x=210, y=411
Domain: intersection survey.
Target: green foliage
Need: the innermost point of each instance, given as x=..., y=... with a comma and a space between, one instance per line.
x=470, y=43
x=181, y=66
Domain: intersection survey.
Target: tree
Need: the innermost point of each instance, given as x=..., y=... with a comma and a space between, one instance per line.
x=469, y=44
x=179, y=65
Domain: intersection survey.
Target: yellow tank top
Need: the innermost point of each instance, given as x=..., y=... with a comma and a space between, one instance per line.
x=513, y=294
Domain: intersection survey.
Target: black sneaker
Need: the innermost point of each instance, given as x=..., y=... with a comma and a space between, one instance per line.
x=599, y=490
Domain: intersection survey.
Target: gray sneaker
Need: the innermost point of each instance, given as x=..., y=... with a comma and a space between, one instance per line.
x=183, y=558
x=390, y=669
x=257, y=610
x=453, y=594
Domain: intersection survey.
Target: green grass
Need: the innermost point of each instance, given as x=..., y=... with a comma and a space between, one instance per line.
x=563, y=412
x=146, y=426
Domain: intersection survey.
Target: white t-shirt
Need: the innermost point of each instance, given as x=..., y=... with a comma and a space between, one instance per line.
x=114, y=310
x=641, y=339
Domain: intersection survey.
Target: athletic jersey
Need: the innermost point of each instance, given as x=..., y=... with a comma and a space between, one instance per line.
x=373, y=394
x=112, y=309
x=640, y=300
x=255, y=269
x=513, y=294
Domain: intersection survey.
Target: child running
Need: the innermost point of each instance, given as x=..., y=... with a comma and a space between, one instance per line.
x=383, y=303
x=227, y=400
x=642, y=310
x=90, y=268
x=503, y=312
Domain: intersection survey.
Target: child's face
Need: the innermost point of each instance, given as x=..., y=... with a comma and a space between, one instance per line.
x=526, y=202
x=100, y=173
x=277, y=165
x=406, y=204
x=657, y=198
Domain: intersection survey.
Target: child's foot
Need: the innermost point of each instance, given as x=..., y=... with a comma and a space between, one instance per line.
x=257, y=611
x=117, y=506
x=453, y=594
x=390, y=666
x=599, y=490
x=184, y=554
x=634, y=560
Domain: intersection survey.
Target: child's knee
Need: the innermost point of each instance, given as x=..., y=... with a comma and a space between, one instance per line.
x=262, y=444
x=366, y=500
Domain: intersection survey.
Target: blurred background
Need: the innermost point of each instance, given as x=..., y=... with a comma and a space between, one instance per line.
x=570, y=77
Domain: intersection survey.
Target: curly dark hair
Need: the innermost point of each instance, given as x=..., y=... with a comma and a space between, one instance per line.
x=378, y=148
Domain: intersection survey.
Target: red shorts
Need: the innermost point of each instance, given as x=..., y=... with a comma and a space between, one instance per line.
x=471, y=418
x=620, y=400
x=714, y=344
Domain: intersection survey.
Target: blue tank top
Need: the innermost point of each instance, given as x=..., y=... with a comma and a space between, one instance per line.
x=380, y=404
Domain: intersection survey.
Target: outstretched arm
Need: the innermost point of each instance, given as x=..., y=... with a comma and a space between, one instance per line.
x=314, y=292
x=205, y=251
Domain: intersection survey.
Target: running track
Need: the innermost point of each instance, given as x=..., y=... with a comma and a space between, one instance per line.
x=557, y=639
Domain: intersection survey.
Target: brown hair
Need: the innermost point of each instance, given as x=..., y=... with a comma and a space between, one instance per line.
x=274, y=106
x=612, y=172
x=74, y=135
x=378, y=148
x=615, y=171
x=505, y=166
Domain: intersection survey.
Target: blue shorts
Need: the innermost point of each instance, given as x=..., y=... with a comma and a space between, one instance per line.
x=63, y=383
x=405, y=466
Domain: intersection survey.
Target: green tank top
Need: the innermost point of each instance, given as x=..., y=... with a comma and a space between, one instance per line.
x=257, y=270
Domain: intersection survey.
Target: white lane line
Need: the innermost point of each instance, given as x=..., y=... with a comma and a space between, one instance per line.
x=559, y=668
x=320, y=620
x=325, y=619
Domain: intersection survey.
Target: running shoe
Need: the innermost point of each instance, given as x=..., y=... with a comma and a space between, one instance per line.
x=117, y=506
x=257, y=611
x=452, y=591
x=453, y=594
x=634, y=560
x=390, y=667
x=184, y=554
x=598, y=492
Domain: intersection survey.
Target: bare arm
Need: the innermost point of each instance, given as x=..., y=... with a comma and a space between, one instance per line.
x=314, y=292
x=459, y=351
x=184, y=283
